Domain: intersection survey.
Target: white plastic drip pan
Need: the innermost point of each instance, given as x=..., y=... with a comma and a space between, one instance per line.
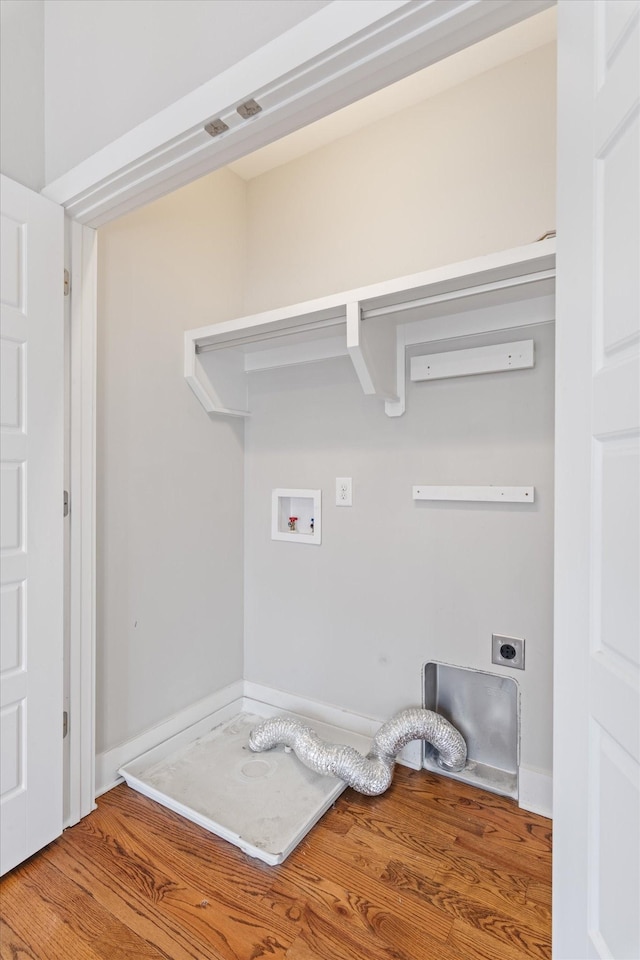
x=264, y=803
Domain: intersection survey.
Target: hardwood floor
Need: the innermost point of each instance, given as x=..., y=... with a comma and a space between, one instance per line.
x=431, y=870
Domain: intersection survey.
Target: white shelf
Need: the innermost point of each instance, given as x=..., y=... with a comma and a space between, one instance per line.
x=370, y=324
x=491, y=494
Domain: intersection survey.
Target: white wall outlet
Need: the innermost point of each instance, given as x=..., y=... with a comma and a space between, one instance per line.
x=344, y=492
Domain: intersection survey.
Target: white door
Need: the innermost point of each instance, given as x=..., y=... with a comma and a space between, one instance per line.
x=31, y=531
x=597, y=660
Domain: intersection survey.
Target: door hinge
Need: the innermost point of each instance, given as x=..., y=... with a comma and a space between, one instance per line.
x=65, y=724
x=67, y=283
x=65, y=503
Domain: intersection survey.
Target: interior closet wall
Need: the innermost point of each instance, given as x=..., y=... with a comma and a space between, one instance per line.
x=462, y=174
x=396, y=583
x=170, y=511
x=466, y=173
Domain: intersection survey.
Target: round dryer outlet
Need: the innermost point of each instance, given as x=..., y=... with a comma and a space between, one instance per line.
x=507, y=651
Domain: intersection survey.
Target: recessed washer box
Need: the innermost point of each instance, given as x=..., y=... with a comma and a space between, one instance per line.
x=296, y=515
x=485, y=708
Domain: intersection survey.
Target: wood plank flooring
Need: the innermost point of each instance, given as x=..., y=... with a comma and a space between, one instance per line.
x=431, y=870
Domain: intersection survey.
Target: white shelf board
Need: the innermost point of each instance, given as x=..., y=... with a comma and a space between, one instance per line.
x=366, y=320
x=292, y=353
x=490, y=494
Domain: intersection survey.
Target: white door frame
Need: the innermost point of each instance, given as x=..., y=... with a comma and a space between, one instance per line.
x=344, y=52
x=82, y=483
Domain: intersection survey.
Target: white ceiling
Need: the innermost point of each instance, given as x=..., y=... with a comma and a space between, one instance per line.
x=490, y=53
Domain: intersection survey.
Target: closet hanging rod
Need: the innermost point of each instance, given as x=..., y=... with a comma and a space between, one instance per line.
x=240, y=340
x=371, y=313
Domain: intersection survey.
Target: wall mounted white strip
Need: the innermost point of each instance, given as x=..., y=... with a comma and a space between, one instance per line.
x=495, y=358
x=488, y=494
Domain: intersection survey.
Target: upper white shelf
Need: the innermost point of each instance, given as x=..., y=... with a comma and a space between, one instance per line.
x=370, y=324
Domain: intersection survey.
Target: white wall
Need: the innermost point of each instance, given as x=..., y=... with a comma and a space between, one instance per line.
x=22, y=91
x=164, y=49
x=170, y=481
x=465, y=173
x=397, y=583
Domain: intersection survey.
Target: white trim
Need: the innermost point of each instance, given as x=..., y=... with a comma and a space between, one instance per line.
x=490, y=494
x=82, y=480
x=493, y=358
x=340, y=54
x=198, y=718
x=293, y=51
x=193, y=721
x=316, y=710
x=535, y=791
x=311, y=709
x=535, y=787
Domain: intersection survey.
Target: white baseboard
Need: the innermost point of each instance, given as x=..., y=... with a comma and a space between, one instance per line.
x=216, y=707
x=411, y=755
x=241, y=695
x=535, y=791
x=312, y=709
x=535, y=787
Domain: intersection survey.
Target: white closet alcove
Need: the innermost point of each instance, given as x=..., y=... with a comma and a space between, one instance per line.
x=374, y=326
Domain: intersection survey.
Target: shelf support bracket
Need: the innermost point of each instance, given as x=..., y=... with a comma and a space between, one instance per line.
x=395, y=408
x=372, y=347
x=226, y=392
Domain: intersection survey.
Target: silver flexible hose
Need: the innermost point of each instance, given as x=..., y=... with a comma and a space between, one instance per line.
x=372, y=774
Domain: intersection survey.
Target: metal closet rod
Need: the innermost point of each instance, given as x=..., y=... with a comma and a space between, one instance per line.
x=273, y=334
x=457, y=294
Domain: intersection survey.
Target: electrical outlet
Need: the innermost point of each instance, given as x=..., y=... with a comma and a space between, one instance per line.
x=507, y=651
x=344, y=493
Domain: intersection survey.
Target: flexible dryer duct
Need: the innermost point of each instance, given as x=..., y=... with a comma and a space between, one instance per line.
x=371, y=774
